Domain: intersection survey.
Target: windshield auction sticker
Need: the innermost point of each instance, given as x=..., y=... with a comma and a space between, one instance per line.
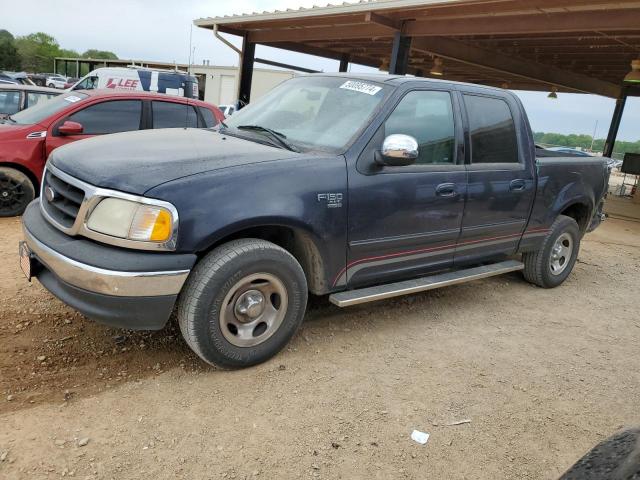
x=72, y=99
x=361, y=87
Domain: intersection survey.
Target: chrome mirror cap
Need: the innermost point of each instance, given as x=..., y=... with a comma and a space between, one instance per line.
x=399, y=150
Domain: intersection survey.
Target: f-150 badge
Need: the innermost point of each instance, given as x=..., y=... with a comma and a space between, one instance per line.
x=333, y=200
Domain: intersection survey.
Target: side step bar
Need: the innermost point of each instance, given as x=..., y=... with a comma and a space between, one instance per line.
x=380, y=292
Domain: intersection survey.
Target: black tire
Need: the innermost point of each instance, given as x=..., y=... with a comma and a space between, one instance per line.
x=51, y=85
x=537, y=265
x=16, y=192
x=200, y=305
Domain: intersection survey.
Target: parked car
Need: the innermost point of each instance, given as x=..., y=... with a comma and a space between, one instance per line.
x=20, y=78
x=361, y=187
x=71, y=81
x=567, y=151
x=56, y=81
x=228, y=110
x=28, y=137
x=15, y=97
x=171, y=82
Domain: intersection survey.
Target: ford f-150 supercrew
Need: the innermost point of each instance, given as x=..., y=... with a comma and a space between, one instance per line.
x=360, y=187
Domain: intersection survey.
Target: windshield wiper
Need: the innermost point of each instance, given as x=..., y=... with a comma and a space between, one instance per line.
x=8, y=117
x=277, y=136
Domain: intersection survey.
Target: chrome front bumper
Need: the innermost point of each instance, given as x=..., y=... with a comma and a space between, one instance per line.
x=106, y=282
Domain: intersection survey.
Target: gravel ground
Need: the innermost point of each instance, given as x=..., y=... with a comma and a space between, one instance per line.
x=541, y=376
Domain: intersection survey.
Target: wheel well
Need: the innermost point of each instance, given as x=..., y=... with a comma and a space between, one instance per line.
x=297, y=242
x=580, y=213
x=27, y=172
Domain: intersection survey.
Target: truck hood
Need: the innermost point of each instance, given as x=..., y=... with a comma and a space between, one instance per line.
x=134, y=162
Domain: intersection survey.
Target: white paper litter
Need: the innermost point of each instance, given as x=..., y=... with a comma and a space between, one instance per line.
x=419, y=437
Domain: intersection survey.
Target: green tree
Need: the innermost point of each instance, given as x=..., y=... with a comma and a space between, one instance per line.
x=102, y=54
x=68, y=53
x=37, y=51
x=584, y=142
x=9, y=57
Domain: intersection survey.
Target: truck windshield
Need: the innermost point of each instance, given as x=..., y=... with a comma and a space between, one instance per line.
x=314, y=113
x=42, y=110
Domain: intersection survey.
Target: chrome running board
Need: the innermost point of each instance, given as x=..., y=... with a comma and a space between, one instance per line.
x=380, y=292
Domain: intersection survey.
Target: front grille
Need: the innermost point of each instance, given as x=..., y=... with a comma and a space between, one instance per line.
x=60, y=199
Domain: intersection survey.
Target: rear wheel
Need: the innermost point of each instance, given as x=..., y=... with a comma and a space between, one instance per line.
x=16, y=191
x=242, y=303
x=551, y=265
x=51, y=85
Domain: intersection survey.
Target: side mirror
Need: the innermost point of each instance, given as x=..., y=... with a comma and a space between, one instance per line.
x=398, y=151
x=70, y=128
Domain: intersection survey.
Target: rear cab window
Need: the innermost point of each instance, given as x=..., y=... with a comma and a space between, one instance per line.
x=492, y=130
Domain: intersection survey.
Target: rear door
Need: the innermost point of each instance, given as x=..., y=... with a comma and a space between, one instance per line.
x=173, y=115
x=111, y=116
x=405, y=221
x=501, y=184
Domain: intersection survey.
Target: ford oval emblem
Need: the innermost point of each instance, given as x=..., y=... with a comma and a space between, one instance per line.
x=49, y=194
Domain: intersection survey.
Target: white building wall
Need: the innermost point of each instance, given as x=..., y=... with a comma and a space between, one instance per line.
x=221, y=84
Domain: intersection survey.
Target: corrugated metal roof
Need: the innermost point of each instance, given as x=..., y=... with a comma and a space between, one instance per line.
x=329, y=9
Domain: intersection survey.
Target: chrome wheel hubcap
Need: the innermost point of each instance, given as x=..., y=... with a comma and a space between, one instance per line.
x=253, y=309
x=561, y=254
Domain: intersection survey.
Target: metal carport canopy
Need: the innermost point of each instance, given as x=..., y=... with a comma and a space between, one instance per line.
x=574, y=45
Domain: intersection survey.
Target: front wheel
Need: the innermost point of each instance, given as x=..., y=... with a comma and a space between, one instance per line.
x=16, y=191
x=551, y=265
x=242, y=303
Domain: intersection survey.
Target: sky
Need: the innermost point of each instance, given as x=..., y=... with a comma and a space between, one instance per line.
x=159, y=30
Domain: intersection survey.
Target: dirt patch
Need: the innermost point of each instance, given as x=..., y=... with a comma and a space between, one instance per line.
x=543, y=375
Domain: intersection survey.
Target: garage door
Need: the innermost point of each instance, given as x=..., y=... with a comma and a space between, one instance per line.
x=227, y=89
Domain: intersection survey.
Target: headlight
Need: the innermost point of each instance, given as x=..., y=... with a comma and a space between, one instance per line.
x=132, y=220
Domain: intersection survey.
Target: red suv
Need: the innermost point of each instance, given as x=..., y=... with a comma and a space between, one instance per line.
x=28, y=137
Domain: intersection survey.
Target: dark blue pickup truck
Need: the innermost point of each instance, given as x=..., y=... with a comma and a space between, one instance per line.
x=360, y=187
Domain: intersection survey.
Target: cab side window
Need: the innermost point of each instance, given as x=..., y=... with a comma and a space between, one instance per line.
x=173, y=115
x=427, y=116
x=209, y=118
x=109, y=117
x=492, y=130
x=9, y=102
x=34, y=98
x=88, y=83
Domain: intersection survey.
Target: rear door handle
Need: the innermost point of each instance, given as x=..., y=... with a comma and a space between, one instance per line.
x=517, y=185
x=446, y=190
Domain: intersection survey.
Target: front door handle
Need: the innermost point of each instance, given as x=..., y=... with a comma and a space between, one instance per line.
x=517, y=185
x=446, y=190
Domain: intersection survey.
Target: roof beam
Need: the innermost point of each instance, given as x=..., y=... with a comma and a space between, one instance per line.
x=321, y=52
x=547, y=23
x=461, y=52
x=605, y=20
x=372, y=17
x=366, y=30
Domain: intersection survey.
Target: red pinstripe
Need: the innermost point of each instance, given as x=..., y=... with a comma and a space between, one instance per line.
x=433, y=249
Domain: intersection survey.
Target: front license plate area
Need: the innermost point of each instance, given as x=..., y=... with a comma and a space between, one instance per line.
x=26, y=260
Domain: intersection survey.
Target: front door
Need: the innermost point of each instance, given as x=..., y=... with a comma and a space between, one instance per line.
x=111, y=116
x=501, y=183
x=405, y=221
